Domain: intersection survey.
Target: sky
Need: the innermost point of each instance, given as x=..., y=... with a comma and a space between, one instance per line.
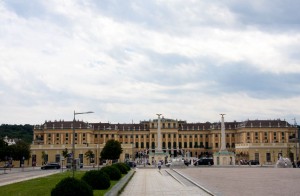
x=128, y=60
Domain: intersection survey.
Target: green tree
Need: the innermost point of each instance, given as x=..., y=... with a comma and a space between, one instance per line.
x=44, y=155
x=65, y=153
x=22, y=150
x=3, y=149
x=24, y=132
x=89, y=155
x=111, y=150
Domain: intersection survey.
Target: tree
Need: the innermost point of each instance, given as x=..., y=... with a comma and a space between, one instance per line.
x=89, y=155
x=3, y=149
x=24, y=132
x=65, y=153
x=19, y=151
x=44, y=155
x=111, y=150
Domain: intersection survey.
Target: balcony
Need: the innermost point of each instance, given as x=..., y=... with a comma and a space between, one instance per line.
x=262, y=145
x=38, y=141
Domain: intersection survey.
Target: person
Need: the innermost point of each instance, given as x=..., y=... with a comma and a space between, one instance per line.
x=159, y=165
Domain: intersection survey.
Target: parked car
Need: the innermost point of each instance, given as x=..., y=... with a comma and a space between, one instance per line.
x=51, y=166
x=187, y=162
x=131, y=164
x=253, y=162
x=205, y=161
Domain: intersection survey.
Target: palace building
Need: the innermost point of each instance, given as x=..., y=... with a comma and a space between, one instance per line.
x=262, y=140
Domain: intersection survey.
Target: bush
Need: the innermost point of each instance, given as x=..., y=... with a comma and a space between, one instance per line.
x=97, y=179
x=72, y=187
x=127, y=166
x=113, y=172
x=121, y=167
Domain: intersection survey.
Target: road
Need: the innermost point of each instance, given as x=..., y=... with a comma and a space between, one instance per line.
x=14, y=175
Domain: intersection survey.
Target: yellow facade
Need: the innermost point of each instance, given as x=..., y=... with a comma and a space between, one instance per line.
x=262, y=140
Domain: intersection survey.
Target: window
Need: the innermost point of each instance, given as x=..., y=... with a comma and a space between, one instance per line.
x=268, y=155
x=256, y=155
x=136, y=136
x=174, y=135
x=195, y=136
x=142, y=136
x=216, y=135
x=282, y=135
x=153, y=145
x=163, y=135
x=191, y=144
x=256, y=135
x=266, y=135
x=200, y=135
x=169, y=125
x=152, y=135
x=185, y=144
x=190, y=136
x=179, y=135
x=217, y=145
x=57, y=135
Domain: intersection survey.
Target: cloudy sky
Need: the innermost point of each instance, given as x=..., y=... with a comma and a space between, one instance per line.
x=129, y=60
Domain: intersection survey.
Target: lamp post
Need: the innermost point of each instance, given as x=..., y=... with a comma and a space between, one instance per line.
x=73, y=142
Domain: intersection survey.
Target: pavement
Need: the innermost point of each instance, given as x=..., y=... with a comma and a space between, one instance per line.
x=13, y=175
x=246, y=181
x=151, y=181
x=220, y=181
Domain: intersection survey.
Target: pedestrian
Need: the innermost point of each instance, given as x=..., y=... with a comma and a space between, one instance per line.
x=159, y=165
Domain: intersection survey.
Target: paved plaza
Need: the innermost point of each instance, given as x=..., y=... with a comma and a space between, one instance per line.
x=153, y=182
x=247, y=180
x=223, y=181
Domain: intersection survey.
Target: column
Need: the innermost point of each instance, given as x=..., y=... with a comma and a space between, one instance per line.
x=223, y=144
x=159, y=149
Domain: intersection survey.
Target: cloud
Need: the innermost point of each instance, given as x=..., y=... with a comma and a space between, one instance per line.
x=129, y=60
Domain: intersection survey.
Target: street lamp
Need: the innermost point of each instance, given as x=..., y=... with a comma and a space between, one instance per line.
x=73, y=143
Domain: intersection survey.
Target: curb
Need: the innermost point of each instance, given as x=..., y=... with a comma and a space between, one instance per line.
x=196, y=184
x=118, y=188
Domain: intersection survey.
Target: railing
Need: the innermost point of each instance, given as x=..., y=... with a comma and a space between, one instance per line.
x=261, y=145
